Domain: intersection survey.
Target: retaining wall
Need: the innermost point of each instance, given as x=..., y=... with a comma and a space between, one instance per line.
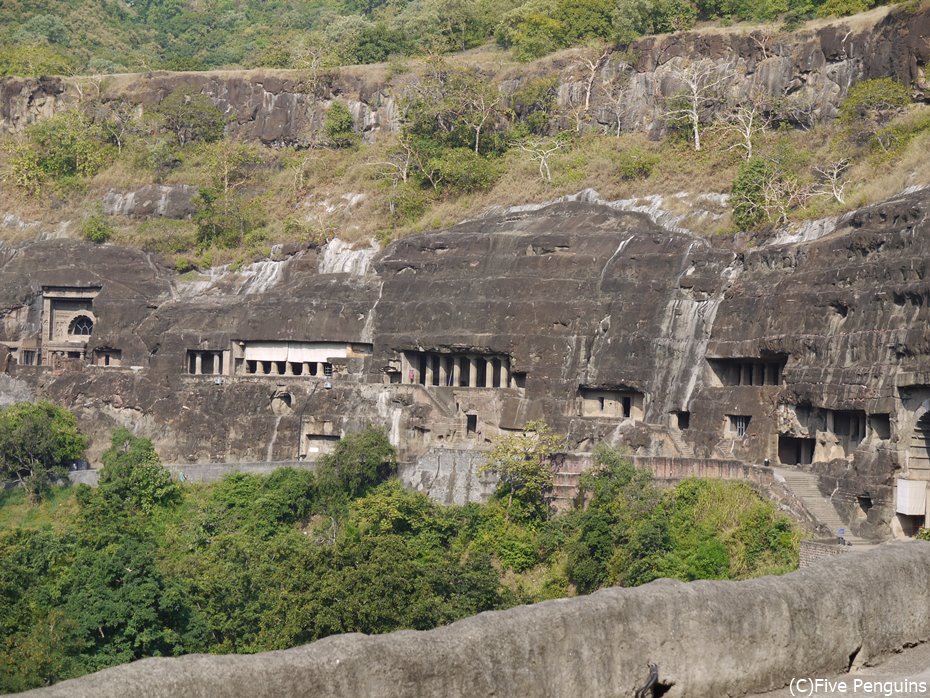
x=708, y=639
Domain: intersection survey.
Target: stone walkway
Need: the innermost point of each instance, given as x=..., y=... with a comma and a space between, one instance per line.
x=911, y=665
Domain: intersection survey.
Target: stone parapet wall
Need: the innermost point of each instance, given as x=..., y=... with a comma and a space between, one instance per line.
x=449, y=476
x=707, y=638
x=813, y=551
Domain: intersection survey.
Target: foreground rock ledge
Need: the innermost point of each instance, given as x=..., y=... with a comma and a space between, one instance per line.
x=708, y=638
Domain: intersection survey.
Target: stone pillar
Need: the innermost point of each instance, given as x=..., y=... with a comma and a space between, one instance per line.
x=428, y=378
x=443, y=370
x=456, y=370
x=405, y=368
x=218, y=363
x=472, y=372
x=505, y=372
x=288, y=368
x=198, y=363
x=320, y=370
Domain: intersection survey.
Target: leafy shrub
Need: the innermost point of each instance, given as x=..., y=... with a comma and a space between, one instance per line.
x=870, y=104
x=636, y=163
x=96, y=229
x=61, y=148
x=531, y=31
x=842, y=8
x=534, y=103
x=34, y=60
x=747, y=195
x=635, y=18
x=462, y=170
x=338, y=126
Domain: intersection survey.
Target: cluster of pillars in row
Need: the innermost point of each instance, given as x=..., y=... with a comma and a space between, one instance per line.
x=751, y=373
x=289, y=368
x=466, y=371
x=205, y=363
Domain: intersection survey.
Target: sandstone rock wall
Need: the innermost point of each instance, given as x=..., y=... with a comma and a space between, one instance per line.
x=578, y=296
x=707, y=638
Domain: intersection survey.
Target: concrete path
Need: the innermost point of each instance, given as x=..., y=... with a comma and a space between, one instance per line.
x=896, y=677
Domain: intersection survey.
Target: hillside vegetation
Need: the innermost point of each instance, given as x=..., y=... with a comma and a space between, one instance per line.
x=463, y=148
x=111, y=36
x=144, y=566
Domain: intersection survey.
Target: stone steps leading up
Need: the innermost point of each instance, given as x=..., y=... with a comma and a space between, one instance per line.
x=805, y=486
x=683, y=449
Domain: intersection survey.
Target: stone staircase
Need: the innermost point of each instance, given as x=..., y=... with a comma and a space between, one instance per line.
x=684, y=449
x=565, y=488
x=804, y=486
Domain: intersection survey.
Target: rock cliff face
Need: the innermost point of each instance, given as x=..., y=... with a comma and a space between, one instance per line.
x=707, y=638
x=808, y=72
x=598, y=320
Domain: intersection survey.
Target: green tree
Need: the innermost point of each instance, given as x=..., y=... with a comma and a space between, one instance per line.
x=123, y=606
x=191, y=116
x=531, y=31
x=358, y=463
x=225, y=218
x=37, y=442
x=133, y=477
x=523, y=462
x=338, y=126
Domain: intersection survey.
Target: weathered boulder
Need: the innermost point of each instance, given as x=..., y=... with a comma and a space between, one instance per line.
x=168, y=201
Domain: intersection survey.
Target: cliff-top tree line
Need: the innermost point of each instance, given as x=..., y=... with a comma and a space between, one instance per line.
x=144, y=566
x=111, y=36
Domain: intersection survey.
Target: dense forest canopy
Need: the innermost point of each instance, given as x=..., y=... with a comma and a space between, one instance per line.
x=110, y=36
x=145, y=566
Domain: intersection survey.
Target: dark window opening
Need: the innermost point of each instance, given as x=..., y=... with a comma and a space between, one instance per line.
x=519, y=379
x=793, y=450
x=865, y=502
x=627, y=403
x=739, y=424
x=471, y=424
x=684, y=420
x=849, y=423
x=328, y=370
x=600, y=402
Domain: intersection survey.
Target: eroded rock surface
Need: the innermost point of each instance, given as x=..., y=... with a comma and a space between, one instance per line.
x=603, y=323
